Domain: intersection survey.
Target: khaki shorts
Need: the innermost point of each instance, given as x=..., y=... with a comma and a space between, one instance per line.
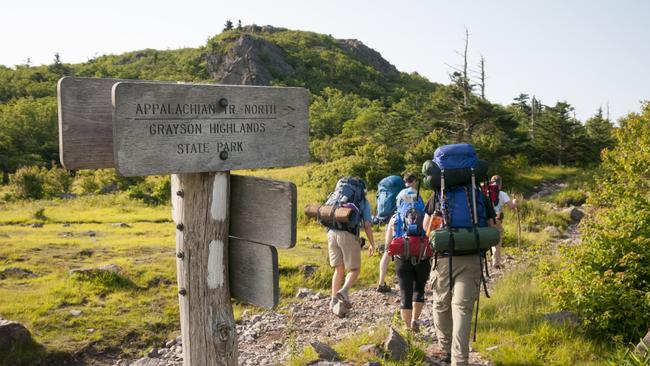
x=344, y=249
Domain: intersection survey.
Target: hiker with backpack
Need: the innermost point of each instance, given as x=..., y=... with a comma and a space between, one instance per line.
x=464, y=228
x=500, y=199
x=410, y=180
x=409, y=247
x=343, y=238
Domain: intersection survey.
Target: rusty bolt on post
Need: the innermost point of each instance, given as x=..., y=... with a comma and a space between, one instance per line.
x=180, y=227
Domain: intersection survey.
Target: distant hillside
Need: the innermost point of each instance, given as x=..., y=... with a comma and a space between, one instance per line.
x=366, y=117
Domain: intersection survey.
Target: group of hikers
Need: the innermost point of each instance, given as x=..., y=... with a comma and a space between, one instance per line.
x=443, y=243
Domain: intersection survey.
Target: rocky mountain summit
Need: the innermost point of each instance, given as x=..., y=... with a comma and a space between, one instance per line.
x=253, y=60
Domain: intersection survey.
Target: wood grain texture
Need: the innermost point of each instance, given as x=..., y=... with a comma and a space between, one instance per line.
x=263, y=211
x=85, y=122
x=254, y=273
x=207, y=322
x=161, y=128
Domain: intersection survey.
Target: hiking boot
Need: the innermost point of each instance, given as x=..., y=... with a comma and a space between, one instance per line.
x=342, y=296
x=383, y=288
x=437, y=352
x=415, y=326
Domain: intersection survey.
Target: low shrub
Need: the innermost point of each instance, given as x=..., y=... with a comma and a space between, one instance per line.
x=27, y=182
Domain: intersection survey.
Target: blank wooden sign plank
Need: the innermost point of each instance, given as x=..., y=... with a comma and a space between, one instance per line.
x=161, y=128
x=263, y=211
x=85, y=122
x=253, y=273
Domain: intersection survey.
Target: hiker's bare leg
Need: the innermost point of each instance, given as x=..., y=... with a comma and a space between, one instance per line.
x=417, y=309
x=407, y=316
x=496, y=256
x=383, y=267
x=337, y=279
x=350, y=279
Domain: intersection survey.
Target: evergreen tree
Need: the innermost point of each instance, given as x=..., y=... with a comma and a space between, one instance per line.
x=553, y=136
x=600, y=134
x=227, y=26
x=239, y=27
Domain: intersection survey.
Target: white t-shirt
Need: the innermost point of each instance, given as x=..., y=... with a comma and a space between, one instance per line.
x=503, y=199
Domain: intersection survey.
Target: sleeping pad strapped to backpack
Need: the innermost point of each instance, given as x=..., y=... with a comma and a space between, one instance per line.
x=349, y=192
x=462, y=204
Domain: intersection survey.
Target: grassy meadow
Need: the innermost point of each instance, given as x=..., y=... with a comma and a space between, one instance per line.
x=138, y=308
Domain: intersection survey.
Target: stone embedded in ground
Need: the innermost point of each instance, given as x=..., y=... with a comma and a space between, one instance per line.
x=553, y=231
x=308, y=270
x=396, y=346
x=37, y=225
x=75, y=312
x=372, y=363
x=324, y=351
x=13, y=335
x=562, y=317
x=303, y=292
x=16, y=272
x=644, y=346
x=121, y=224
x=111, y=268
x=371, y=349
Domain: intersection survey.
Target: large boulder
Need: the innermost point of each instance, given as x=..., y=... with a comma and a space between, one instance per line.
x=396, y=346
x=13, y=334
x=250, y=61
x=324, y=351
x=644, y=346
x=367, y=55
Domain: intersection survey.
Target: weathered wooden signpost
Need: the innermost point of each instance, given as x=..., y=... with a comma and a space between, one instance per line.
x=226, y=226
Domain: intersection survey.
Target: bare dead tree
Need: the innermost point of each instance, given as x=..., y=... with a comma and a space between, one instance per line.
x=482, y=76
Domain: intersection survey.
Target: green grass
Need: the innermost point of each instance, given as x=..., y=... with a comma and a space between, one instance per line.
x=512, y=320
x=138, y=308
x=526, y=180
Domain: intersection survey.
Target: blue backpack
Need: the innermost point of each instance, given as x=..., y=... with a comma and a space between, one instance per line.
x=409, y=215
x=387, y=191
x=349, y=192
x=455, y=156
x=457, y=207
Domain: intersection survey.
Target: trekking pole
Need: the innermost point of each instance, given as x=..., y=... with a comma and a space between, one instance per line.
x=518, y=227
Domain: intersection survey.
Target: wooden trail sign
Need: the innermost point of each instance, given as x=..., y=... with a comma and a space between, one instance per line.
x=161, y=128
x=86, y=142
x=256, y=127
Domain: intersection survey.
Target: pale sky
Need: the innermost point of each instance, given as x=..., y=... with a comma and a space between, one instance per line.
x=589, y=53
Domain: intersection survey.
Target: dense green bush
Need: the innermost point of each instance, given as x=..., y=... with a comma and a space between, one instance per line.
x=102, y=181
x=154, y=189
x=606, y=279
x=27, y=182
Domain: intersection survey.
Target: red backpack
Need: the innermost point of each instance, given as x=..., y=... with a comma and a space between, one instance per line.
x=491, y=191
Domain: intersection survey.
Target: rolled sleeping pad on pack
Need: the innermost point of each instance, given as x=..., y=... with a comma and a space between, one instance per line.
x=464, y=238
x=329, y=213
x=453, y=177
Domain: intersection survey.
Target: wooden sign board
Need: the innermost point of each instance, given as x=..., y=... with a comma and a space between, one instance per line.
x=161, y=128
x=263, y=211
x=253, y=273
x=85, y=123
